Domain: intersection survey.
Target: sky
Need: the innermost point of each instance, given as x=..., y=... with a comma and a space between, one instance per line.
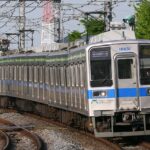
x=34, y=16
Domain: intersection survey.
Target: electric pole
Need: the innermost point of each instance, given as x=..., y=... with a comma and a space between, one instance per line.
x=22, y=23
x=108, y=13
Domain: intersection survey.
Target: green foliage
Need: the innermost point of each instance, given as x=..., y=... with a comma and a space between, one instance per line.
x=93, y=26
x=74, y=36
x=142, y=28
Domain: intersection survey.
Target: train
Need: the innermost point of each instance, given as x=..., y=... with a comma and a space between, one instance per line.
x=103, y=86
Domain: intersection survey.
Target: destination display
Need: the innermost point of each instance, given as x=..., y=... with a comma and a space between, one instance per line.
x=98, y=53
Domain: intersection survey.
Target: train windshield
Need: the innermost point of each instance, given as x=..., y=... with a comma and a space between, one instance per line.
x=144, y=57
x=100, y=60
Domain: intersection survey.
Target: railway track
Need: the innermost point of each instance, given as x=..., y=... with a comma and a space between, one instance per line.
x=17, y=135
x=58, y=127
x=113, y=144
x=4, y=141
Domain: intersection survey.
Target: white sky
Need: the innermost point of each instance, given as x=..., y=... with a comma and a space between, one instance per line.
x=120, y=11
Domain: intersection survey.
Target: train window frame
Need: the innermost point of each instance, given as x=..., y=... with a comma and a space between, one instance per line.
x=129, y=72
x=3, y=73
x=77, y=75
x=62, y=75
x=15, y=72
x=51, y=79
x=100, y=56
x=144, y=66
x=25, y=73
x=30, y=74
x=35, y=74
x=47, y=74
x=41, y=74
x=0, y=72
x=68, y=76
x=20, y=73
x=72, y=75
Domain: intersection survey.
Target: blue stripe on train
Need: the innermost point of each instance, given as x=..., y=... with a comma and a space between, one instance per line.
x=123, y=92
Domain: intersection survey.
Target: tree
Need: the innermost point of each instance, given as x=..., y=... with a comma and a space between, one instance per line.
x=142, y=28
x=74, y=36
x=93, y=26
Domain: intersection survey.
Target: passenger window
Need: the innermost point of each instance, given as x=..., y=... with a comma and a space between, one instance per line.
x=76, y=74
x=51, y=77
x=47, y=75
x=62, y=76
x=0, y=72
x=68, y=76
x=30, y=73
x=41, y=74
x=125, y=68
x=35, y=74
x=72, y=75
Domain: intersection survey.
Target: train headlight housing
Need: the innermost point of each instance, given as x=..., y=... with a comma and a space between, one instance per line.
x=148, y=92
x=99, y=93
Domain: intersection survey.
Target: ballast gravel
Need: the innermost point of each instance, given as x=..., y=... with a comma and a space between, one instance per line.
x=54, y=137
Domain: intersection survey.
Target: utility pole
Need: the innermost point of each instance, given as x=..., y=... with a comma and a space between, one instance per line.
x=108, y=13
x=22, y=23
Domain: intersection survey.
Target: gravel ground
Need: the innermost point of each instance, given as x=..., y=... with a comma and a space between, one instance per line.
x=56, y=138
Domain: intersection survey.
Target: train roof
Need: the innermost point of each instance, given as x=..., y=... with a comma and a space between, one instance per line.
x=72, y=50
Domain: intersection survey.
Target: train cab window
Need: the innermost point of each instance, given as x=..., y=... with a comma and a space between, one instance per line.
x=125, y=68
x=144, y=59
x=100, y=62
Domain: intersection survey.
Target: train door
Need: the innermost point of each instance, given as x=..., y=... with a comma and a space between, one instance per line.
x=126, y=83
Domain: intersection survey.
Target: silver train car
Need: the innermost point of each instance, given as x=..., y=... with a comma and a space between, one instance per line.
x=108, y=83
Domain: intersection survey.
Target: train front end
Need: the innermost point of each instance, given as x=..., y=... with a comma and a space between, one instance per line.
x=119, y=88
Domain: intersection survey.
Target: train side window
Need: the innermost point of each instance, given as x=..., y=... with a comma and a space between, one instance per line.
x=144, y=60
x=125, y=68
x=19, y=72
x=76, y=74
x=47, y=75
x=40, y=74
x=72, y=75
x=51, y=77
x=62, y=76
x=68, y=75
x=15, y=72
x=25, y=73
x=55, y=75
x=0, y=72
x=81, y=72
x=35, y=75
x=30, y=73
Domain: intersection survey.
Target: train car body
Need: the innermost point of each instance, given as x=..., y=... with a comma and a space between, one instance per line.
x=108, y=82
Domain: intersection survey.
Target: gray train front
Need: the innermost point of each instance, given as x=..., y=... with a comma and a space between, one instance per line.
x=108, y=83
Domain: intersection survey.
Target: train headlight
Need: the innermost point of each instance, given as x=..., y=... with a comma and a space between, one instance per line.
x=148, y=91
x=99, y=93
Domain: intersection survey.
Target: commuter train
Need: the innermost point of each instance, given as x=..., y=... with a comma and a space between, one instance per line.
x=104, y=86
